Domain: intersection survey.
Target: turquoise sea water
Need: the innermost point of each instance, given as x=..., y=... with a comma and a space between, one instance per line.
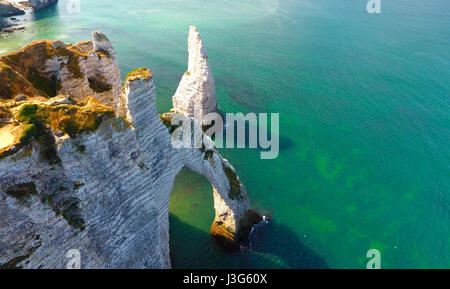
x=364, y=103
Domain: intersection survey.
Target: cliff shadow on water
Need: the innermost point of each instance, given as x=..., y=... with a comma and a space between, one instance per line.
x=272, y=245
x=291, y=251
x=192, y=248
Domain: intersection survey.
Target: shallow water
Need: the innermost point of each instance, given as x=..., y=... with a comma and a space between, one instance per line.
x=364, y=115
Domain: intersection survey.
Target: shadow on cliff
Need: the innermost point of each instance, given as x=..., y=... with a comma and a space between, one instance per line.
x=273, y=246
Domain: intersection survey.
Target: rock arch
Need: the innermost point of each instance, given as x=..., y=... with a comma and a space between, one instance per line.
x=108, y=194
x=233, y=218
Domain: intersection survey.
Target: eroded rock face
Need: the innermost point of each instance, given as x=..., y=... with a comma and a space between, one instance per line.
x=48, y=68
x=79, y=175
x=41, y=4
x=197, y=87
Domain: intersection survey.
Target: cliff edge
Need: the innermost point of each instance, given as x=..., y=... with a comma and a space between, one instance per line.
x=87, y=163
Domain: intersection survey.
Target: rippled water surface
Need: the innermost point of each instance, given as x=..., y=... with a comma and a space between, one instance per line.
x=364, y=115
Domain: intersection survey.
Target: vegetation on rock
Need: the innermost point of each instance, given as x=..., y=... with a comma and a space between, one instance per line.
x=103, y=53
x=14, y=263
x=22, y=191
x=208, y=153
x=13, y=83
x=138, y=73
x=38, y=119
x=69, y=208
x=235, y=184
x=22, y=71
x=166, y=119
x=71, y=212
x=72, y=119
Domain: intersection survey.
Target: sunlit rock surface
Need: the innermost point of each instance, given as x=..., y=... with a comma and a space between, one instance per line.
x=197, y=87
x=88, y=165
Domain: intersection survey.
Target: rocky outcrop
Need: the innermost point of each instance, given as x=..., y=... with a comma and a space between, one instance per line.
x=48, y=68
x=7, y=9
x=78, y=175
x=197, y=87
x=41, y=4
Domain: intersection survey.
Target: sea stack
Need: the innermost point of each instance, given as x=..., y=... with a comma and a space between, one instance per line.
x=197, y=87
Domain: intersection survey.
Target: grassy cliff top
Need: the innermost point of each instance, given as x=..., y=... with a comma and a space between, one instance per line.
x=72, y=119
x=32, y=120
x=31, y=108
x=138, y=73
x=24, y=73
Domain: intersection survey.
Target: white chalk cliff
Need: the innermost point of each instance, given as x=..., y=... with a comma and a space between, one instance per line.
x=197, y=87
x=106, y=191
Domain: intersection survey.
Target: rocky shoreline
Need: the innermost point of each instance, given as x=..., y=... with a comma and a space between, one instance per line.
x=11, y=9
x=12, y=28
x=7, y=9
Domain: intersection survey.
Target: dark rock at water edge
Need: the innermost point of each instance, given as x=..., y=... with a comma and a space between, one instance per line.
x=12, y=29
x=7, y=9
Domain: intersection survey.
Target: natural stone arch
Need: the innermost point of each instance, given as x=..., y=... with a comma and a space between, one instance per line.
x=233, y=218
x=109, y=192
